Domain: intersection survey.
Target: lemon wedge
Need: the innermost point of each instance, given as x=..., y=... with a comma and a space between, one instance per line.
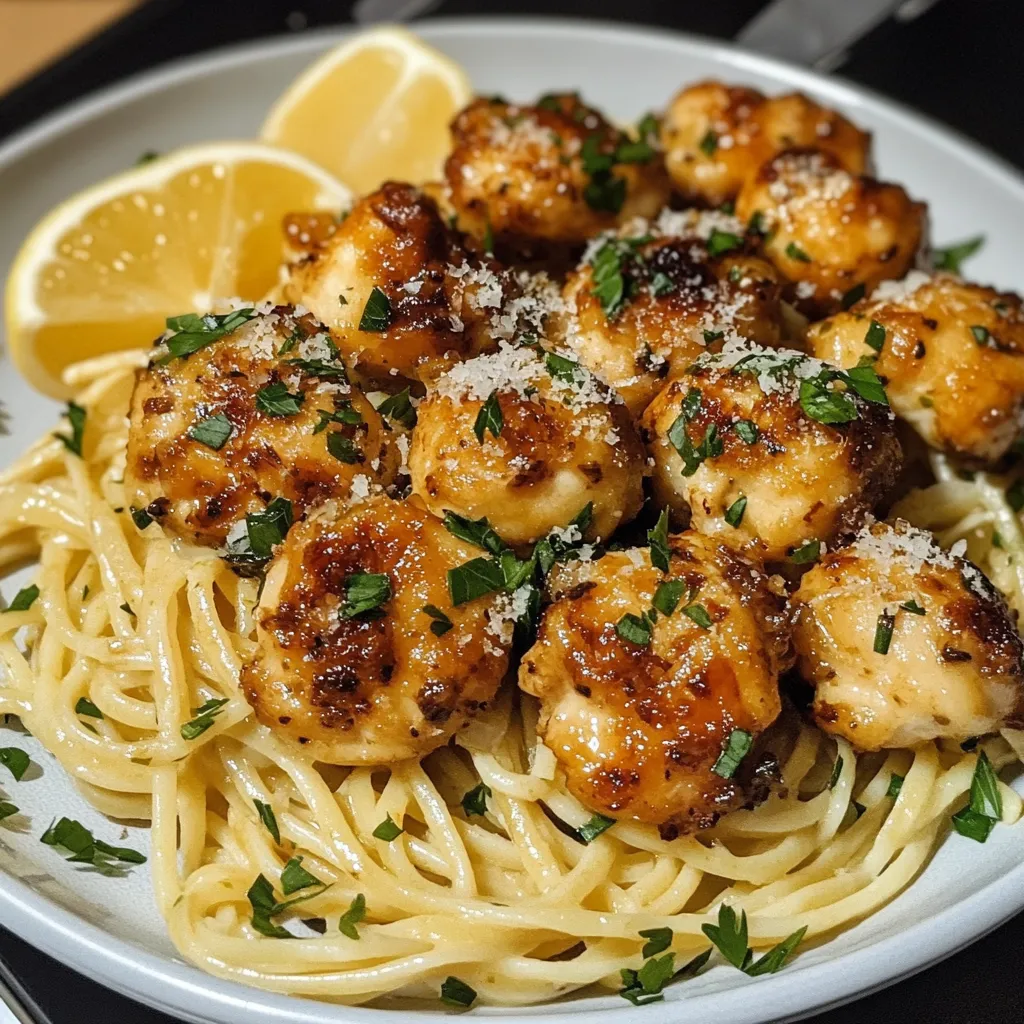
x=103, y=271
x=374, y=108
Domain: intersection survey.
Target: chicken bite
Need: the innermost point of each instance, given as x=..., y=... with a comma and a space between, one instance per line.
x=638, y=706
x=770, y=449
x=643, y=304
x=832, y=234
x=906, y=643
x=238, y=410
x=349, y=664
x=716, y=137
x=526, y=439
x=557, y=172
x=397, y=289
x=952, y=354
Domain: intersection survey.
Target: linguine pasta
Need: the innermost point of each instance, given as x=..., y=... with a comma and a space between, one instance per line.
x=149, y=630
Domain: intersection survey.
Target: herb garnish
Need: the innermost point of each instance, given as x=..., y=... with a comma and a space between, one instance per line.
x=365, y=592
x=388, y=830
x=489, y=418
x=74, y=838
x=952, y=257
x=276, y=400
x=594, y=827
x=475, y=800
x=399, y=408
x=194, y=332
x=441, y=624
x=457, y=993
x=377, y=312
x=269, y=819
x=23, y=599
x=730, y=936
x=985, y=808
x=213, y=431
x=353, y=916
x=204, y=717
x=76, y=417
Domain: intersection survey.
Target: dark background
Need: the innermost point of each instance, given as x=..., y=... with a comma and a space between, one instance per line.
x=961, y=62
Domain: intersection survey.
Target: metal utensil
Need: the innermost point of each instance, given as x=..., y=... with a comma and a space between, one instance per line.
x=819, y=33
x=15, y=997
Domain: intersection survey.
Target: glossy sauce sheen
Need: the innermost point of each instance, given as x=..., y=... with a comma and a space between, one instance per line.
x=638, y=729
x=198, y=492
x=372, y=689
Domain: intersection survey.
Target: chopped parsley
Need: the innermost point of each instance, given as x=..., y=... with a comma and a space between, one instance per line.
x=593, y=827
x=604, y=192
x=720, y=242
x=875, y=337
x=981, y=334
x=794, y=252
x=895, y=785
x=204, y=717
x=883, y=632
x=140, y=517
x=343, y=413
x=475, y=800
x=214, y=431
x=853, y=295
x=489, y=418
x=294, y=877
x=709, y=143
x=699, y=614
x=985, y=808
x=730, y=937
x=353, y=916
x=637, y=629
x=399, y=408
x=266, y=906
x=267, y=528
x=276, y=400
x=76, y=418
x=566, y=370
x=365, y=592
x=269, y=819
x=475, y=531
x=193, y=332
x=837, y=770
x=668, y=595
x=344, y=449
x=376, y=313
x=15, y=760
x=84, y=848
x=473, y=579
x=808, y=552
x=734, y=513
x=84, y=706
x=913, y=607
x=737, y=746
x=746, y=430
x=455, y=992
x=23, y=599
x=658, y=940
x=952, y=257
x=441, y=624
x=388, y=830
x=658, y=540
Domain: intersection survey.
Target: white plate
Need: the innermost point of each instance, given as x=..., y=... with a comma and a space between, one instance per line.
x=109, y=929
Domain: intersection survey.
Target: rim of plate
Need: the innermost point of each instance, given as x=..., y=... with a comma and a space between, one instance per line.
x=170, y=984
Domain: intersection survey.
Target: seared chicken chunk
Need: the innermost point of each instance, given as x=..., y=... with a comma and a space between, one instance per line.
x=768, y=448
x=645, y=303
x=396, y=288
x=348, y=665
x=905, y=643
x=526, y=439
x=833, y=234
x=952, y=354
x=638, y=715
x=716, y=136
x=557, y=172
x=223, y=421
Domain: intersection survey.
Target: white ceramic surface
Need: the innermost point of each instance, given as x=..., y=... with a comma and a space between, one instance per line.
x=109, y=928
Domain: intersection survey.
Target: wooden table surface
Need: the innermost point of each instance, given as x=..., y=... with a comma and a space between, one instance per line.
x=35, y=32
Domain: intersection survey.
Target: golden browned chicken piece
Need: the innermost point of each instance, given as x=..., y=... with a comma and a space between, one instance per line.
x=771, y=449
x=238, y=410
x=905, y=643
x=833, y=234
x=396, y=288
x=642, y=305
x=652, y=715
x=952, y=354
x=362, y=658
x=556, y=172
x=526, y=439
x=716, y=137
